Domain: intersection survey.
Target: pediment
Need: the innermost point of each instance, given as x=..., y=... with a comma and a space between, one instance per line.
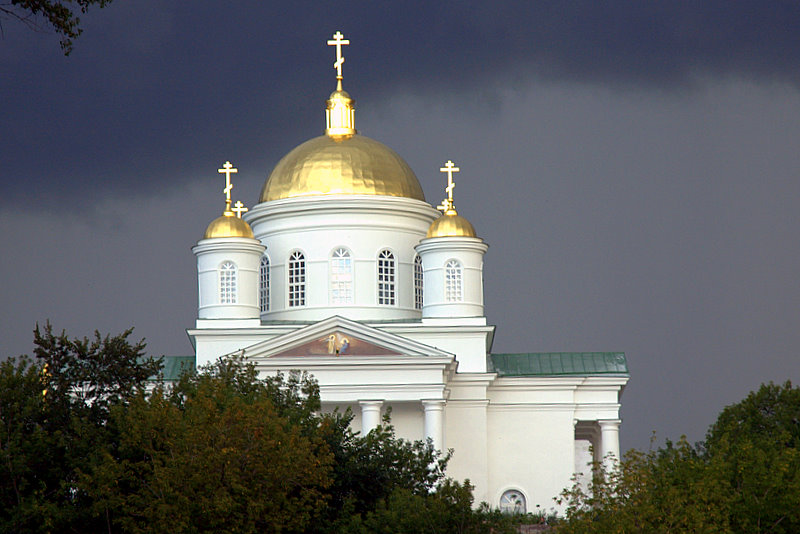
x=339, y=337
x=338, y=343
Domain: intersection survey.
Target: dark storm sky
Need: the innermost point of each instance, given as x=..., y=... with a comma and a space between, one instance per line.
x=632, y=165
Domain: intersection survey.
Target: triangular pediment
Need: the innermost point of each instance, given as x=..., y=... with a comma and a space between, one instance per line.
x=338, y=343
x=339, y=337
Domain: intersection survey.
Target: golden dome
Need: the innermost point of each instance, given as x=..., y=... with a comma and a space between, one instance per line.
x=341, y=165
x=228, y=226
x=451, y=224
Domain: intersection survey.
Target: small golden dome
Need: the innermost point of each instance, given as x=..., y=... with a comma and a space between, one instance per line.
x=451, y=224
x=340, y=95
x=341, y=165
x=228, y=226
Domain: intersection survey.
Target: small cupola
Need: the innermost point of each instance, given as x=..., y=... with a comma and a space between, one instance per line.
x=452, y=262
x=228, y=259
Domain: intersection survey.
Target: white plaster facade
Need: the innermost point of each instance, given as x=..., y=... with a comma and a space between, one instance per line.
x=524, y=427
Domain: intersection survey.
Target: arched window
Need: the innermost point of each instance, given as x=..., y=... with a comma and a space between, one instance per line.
x=227, y=283
x=263, y=284
x=513, y=502
x=341, y=277
x=297, y=279
x=453, y=289
x=386, y=269
x=418, y=281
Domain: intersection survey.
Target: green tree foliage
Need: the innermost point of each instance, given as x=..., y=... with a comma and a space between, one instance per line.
x=220, y=452
x=754, y=449
x=448, y=510
x=58, y=15
x=744, y=479
x=89, y=442
x=54, y=412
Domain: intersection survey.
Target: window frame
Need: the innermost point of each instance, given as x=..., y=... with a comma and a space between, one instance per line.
x=296, y=289
x=264, y=284
x=386, y=278
x=453, y=281
x=341, y=282
x=227, y=282
x=419, y=283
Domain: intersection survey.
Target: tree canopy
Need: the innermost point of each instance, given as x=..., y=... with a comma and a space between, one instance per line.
x=745, y=478
x=91, y=441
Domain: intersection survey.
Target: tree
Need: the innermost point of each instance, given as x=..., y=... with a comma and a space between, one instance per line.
x=219, y=452
x=58, y=15
x=754, y=449
x=92, y=441
x=54, y=417
x=368, y=468
x=745, y=478
x=448, y=510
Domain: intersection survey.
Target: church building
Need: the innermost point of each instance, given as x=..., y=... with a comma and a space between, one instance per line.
x=342, y=268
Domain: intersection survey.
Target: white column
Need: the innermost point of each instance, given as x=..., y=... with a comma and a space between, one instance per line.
x=370, y=415
x=609, y=442
x=434, y=422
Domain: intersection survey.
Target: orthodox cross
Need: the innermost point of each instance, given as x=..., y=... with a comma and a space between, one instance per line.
x=338, y=41
x=239, y=208
x=227, y=170
x=449, y=168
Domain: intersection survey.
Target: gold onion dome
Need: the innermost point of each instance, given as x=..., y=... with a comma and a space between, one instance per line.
x=451, y=224
x=352, y=165
x=228, y=226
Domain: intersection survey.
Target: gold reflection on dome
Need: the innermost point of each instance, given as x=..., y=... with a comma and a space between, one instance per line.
x=451, y=225
x=228, y=226
x=341, y=165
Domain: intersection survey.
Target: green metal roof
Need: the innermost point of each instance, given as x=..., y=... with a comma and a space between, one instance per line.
x=173, y=365
x=559, y=363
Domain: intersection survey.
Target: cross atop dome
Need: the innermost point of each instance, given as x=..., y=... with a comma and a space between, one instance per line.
x=447, y=204
x=340, y=112
x=227, y=169
x=239, y=208
x=338, y=41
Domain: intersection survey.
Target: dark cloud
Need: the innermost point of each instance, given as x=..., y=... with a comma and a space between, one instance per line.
x=153, y=88
x=632, y=166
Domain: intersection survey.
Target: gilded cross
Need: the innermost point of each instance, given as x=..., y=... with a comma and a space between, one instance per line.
x=449, y=168
x=227, y=170
x=239, y=208
x=338, y=41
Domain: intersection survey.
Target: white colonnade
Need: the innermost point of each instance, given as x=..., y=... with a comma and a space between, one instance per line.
x=433, y=418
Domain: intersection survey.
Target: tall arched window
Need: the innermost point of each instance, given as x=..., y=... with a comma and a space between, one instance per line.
x=227, y=283
x=341, y=277
x=386, y=270
x=418, y=281
x=297, y=279
x=453, y=288
x=263, y=284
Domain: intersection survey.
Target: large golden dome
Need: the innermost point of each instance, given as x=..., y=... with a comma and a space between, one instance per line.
x=341, y=165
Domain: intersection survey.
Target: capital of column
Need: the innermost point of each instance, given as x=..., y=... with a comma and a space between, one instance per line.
x=609, y=424
x=432, y=405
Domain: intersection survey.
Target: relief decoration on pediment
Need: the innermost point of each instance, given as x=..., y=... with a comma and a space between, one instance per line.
x=337, y=344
